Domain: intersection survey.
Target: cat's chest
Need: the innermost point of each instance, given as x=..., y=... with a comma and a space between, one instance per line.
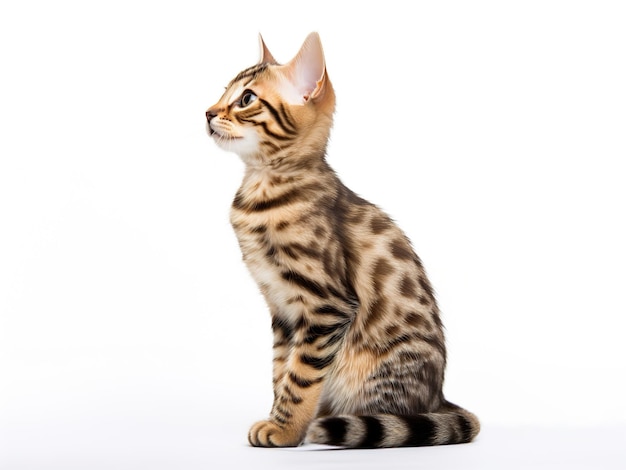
x=270, y=257
x=270, y=219
x=281, y=230
x=267, y=245
x=276, y=243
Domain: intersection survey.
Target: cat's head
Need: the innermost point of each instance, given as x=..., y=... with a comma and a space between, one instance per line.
x=274, y=113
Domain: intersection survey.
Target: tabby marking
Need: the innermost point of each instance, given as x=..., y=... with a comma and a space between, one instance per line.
x=359, y=352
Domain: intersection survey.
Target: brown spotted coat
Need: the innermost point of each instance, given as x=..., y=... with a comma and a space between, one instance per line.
x=359, y=353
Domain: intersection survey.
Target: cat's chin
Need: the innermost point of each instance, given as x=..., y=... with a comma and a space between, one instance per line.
x=240, y=145
x=220, y=138
x=224, y=141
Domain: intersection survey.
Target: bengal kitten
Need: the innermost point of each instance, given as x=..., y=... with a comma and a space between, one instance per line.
x=359, y=352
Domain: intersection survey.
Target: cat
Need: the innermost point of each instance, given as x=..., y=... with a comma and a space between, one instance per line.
x=359, y=352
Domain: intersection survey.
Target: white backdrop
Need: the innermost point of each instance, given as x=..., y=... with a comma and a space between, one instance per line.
x=492, y=132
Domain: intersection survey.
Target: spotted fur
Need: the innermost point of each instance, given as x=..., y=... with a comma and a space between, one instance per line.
x=359, y=353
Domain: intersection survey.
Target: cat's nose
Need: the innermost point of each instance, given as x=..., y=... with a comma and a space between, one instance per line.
x=210, y=114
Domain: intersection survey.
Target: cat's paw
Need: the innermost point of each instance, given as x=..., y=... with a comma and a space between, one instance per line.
x=269, y=434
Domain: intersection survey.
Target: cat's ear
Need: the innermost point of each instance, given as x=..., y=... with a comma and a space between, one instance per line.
x=307, y=70
x=266, y=55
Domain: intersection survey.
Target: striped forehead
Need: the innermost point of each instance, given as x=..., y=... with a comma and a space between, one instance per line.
x=234, y=93
x=243, y=80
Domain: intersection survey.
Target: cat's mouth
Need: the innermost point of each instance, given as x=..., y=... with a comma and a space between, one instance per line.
x=220, y=136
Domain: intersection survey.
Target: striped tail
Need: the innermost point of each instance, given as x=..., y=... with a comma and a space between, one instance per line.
x=449, y=425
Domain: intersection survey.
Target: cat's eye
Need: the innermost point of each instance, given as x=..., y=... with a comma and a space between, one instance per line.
x=247, y=98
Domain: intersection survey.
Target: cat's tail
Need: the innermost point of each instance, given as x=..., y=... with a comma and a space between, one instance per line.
x=449, y=425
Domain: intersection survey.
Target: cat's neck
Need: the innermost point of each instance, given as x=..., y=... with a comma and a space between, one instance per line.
x=288, y=166
x=308, y=151
x=264, y=180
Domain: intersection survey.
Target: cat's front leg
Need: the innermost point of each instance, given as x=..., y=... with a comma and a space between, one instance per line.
x=283, y=342
x=299, y=371
x=295, y=403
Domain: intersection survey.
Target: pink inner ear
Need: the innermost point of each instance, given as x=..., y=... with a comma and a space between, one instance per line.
x=306, y=69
